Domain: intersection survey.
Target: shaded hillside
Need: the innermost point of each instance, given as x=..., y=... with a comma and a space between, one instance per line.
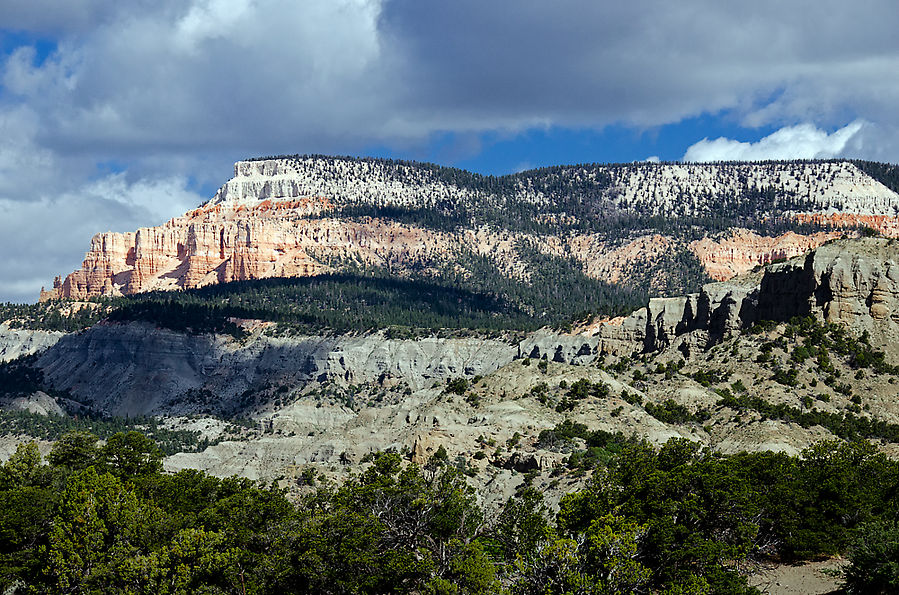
x=557, y=294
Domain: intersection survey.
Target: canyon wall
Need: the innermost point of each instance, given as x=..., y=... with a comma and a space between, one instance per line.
x=850, y=282
x=283, y=218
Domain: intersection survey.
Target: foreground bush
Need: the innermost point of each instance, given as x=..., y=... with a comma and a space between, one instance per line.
x=680, y=519
x=874, y=560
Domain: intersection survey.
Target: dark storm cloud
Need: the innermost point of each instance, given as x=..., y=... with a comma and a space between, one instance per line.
x=241, y=76
x=647, y=63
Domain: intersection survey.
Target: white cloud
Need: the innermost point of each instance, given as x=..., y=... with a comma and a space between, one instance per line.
x=150, y=199
x=209, y=20
x=652, y=159
x=50, y=233
x=51, y=205
x=246, y=77
x=23, y=162
x=54, y=17
x=803, y=141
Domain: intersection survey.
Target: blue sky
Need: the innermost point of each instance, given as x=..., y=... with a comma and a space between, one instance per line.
x=117, y=115
x=498, y=154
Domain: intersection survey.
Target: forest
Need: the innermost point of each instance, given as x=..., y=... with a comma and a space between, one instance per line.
x=579, y=198
x=361, y=301
x=97, y=518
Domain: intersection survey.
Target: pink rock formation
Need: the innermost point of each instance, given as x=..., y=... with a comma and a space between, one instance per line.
x=272, y=220
x=885, y=225
x=222, y=243
x=742, y=250
x=208, y=245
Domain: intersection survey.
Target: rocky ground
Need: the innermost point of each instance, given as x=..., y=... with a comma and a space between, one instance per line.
x=807, y=578
x=703, y=367
x=492, y=429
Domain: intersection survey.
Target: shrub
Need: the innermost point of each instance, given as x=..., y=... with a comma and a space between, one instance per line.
x=874, y=560
x=786, y=377
x=631, y=399
x=457, y=386
x=671, y=412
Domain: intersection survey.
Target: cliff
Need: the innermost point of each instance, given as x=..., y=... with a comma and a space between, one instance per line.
x=739, y=251
x=135, y=368
x=295, y=216
x=850, y=282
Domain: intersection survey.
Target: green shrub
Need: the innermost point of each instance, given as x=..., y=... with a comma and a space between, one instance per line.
x=874, y=560
x=671, y=412
x=786, y=377
x=457, y=386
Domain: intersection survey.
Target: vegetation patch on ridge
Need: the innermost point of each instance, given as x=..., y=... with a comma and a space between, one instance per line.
x=482, y=299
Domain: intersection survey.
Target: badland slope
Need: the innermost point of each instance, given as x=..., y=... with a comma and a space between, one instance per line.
x=778, y=359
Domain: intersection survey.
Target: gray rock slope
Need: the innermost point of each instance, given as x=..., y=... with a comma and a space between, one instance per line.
x=138, y=369
x=18, y=342
x=131, y=369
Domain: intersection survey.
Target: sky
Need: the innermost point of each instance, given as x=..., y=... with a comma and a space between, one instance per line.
x=117, y=115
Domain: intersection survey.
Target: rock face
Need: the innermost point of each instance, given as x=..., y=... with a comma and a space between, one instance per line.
x=852, y=282
x=132, y=369
x=137, y=369
x=699, y=320
x=289, y=217
x=740, y=251
x=18, y=342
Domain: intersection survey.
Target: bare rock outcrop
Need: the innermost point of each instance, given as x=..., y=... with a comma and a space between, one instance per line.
x=18, y=342
x=740, y=250
x=573, y=349
x=133, y=369
x=851, y=282
x=137, y=369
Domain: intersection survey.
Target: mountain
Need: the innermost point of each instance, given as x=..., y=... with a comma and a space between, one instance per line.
x=331, y=329
x=808, y=343
x=648, y=229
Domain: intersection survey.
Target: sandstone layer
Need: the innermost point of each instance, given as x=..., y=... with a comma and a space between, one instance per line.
x=287, y=217
x=741, y=250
